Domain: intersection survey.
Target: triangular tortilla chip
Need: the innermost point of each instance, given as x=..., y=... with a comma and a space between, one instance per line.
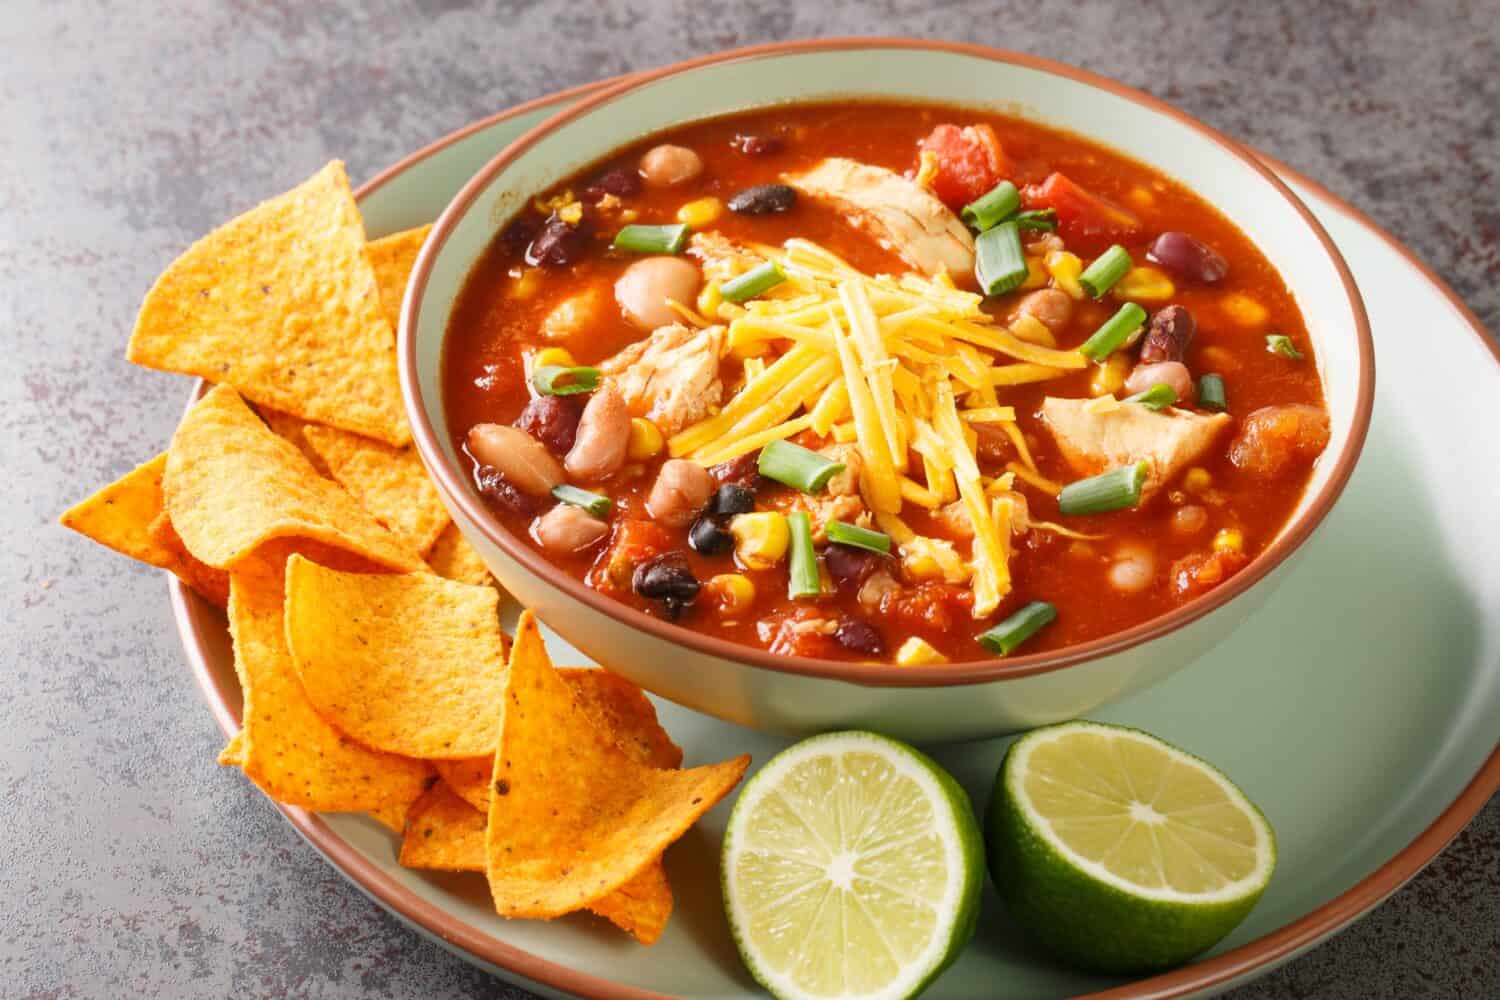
x=233, y=754
x=232, y=485
x=393, y=815
x=286, y=747
x=572, y=816
x=410, y=664
x=282, y=304
x=393, y=257
x=292, y=428
x=390, y=483
x=454, y=558
x=129, y=516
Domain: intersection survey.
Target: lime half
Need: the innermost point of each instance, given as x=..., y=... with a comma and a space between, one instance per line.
x=1120, y=852
x=852, y=867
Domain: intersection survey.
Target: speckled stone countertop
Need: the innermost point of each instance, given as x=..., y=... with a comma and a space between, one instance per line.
x=129, y=865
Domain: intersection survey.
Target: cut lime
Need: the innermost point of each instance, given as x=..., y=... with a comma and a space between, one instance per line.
x=852, y=868
x=1120, y=852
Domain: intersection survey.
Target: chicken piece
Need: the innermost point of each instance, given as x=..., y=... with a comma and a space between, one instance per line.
x=671, y=377
x=1094, y=438
x=720, y=257
x=572, y=316
x=904, y=216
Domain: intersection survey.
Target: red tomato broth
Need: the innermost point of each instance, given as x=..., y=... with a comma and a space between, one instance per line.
x=492, y=330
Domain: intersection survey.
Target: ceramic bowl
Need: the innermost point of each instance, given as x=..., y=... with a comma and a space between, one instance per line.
x=931, y=704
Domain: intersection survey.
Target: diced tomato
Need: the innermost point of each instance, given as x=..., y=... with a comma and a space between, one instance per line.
x=1201, y=572
x=970, y=162
x=933, y=607
x=799, y=631
x=1080, y=213
x=633, y=543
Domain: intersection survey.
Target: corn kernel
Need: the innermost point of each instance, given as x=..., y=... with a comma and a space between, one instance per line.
x=1243, y=309
x=733, y=593
x=916, y=651
x=553, y=356
x=645, y=440
x=1229, y=540
x=1144, y=284
x=1065, y=269
x=527, y=285
x=709, y=301
x=1197, y=480
x=571, y=213
x=1109, y=377
x=701, y=213
x=1141, y=198
x=1036, y=274
x=760, y=539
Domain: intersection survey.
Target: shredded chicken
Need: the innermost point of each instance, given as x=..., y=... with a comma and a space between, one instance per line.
x=720, y=257
x=1094, y=438
x=672, y=376
x=572, y=316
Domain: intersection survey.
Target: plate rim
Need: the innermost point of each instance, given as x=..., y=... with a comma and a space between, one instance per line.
x=191, y=615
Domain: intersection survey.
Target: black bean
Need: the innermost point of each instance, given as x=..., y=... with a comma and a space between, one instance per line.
x=850, y=564
x=731, y=499
x=517, y=236
x=553, y=420
x=707, y=538
x=1187, y=257
x=764, y=199
x=756, y=145
x=743, y=471
x=622, y=182
x=667, y=578
x=1168, y=335
x=859, y=637
x=493, y=484
x=557, y=244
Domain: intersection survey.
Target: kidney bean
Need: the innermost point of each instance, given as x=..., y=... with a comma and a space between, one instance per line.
x=622, y=182
x=859, y=637
x=756, y=145
x=1168, y=335
x=667, y=165
x=681, y=490
x=493, y=484
x=566, y=529
x=552, y=420
x=520, y=458
x=1188, y=258
x=1172, y=373
x=667, y=578
x=557, y=244
x=764, y=199
x=517, y=236
x=852, y=565
x=743, y=472
x=603, y=436
x=643, y=290
x=1049, y=305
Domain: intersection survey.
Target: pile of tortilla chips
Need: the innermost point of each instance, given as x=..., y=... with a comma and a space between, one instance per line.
x=366, y=630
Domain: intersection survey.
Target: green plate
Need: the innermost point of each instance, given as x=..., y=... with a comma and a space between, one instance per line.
x=1359, y=708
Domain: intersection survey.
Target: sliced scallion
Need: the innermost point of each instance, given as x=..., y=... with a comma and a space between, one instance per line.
x=1112, y=335
x=653, y=239
x=595, y=503
x=845, y=533
x=994, y=207
x=1280, y=343
x=797, y=467
x=804, y=578
x=1157, y=398
x=1036, y=218
x=560, y=380
x=1112, y=490
x=1211, y=393
x=1005, y=636
x=752, y=283
x=999, y=262
x=1108, y=268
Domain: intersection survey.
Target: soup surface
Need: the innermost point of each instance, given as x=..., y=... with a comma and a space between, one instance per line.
x=884, y=382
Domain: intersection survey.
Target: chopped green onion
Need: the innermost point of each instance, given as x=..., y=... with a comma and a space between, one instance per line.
x=558, y=380
x=653, y=239
x=752, y=282
x=1112, y=490
x=1211, y=393
x=797, y=466
x=1157, y=398
x=805, y=580
x=845, y=533
x=595, y=503
x=1108, y=268
x=1280, y=343
x=1000, y=264
x=1036, y=218
x=1110, y=337
x=1005, y=636
x=989, y=210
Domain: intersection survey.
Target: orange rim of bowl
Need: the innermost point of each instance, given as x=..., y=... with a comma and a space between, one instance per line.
x=195, y=618
x=454, y=482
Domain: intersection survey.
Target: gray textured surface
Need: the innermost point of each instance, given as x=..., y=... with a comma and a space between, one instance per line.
x=128, y=864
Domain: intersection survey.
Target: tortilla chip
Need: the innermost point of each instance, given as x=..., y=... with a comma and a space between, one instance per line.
x=390, y=483
x=640, y=907
x=231, y=486
x=454, y=558
x=233, y=754
x=129, y=516
x=573, y=817
x=293, y=429
x=287, y=748
x=410, y=664
x=393, y=815
x=282, y=304
x=393, y=257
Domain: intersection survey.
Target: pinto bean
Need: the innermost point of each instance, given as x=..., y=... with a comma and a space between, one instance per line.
x=667, y=165
x=1133, y=569
x=603, y=436
x=520, y=458
x=1172, y=373
x=681, y=491
x=1168, y=335
x=1050, y=305
x=643, y=290
x=566, y=529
